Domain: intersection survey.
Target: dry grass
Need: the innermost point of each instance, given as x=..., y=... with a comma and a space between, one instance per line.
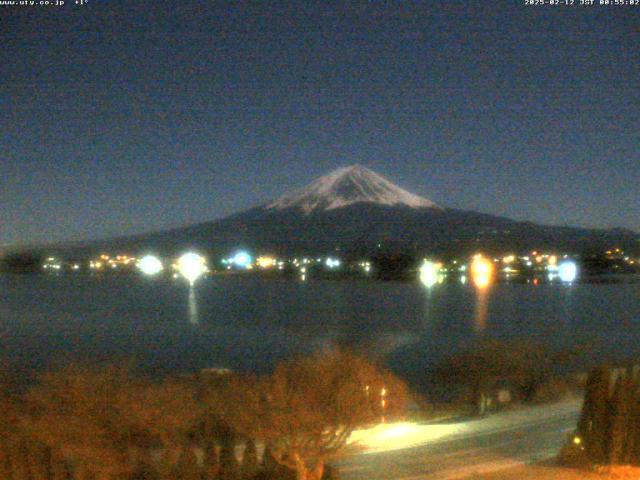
x=621, y=472
x=547, y=471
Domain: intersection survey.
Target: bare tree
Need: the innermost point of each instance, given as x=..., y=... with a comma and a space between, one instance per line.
x=8, y=435
x=74, y=412
x=526, y=365
x=163, y=415
x=308, y=408
x=104, y=422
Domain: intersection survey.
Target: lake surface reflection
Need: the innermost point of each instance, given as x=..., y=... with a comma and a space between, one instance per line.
x=249, y=323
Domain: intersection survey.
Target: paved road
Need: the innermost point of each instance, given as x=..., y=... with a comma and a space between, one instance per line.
x=460, y=450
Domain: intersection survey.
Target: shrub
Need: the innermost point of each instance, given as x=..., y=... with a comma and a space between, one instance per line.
x=573, y=454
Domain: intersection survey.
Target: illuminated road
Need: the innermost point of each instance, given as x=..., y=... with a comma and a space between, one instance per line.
x=461, y=450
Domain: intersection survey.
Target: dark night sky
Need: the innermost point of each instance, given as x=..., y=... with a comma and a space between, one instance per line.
x=122, y=117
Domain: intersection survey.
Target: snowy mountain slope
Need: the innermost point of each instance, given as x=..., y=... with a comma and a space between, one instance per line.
x=355, y=211
x=346, y=186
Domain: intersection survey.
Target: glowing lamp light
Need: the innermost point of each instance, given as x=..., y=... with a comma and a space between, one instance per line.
x=481, y=271
x=242, y=259
x=266, y=262
x=150, y=265
x=568, y=271
x=429, y=273
x=191, y=266
x=332, y=263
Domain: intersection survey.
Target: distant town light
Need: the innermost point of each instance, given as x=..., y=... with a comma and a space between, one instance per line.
x=481, y=271
x=242, y=259
x=265, y=262
x=191, y=266
x=509, y=259
x=150, y=265
x=332, y=262
x=568, y=271
x=429, y=273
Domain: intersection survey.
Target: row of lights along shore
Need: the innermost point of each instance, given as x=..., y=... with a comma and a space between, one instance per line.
x=191, y=266
x=480, y=270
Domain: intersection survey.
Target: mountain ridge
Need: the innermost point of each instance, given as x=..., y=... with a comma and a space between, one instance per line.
x=355, y=210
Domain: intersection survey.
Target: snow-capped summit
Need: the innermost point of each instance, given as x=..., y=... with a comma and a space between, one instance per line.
x=346, y=186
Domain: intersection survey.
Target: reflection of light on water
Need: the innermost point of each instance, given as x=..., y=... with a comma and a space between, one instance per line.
x=482, y=275
x=481, y=310
x=482, y=281
x=386, y=343
x=193, y=307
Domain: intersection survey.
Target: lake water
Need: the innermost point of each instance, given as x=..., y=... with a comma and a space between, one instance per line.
x=248, y=323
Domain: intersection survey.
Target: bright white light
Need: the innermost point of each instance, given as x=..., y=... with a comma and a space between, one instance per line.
x=429, y=273
x=568, y=271
x=397, y=436
x=242, y=259
x=266, y=262
x=150, y=265
x=191, y=266
x=332, y=262
x=481, y=271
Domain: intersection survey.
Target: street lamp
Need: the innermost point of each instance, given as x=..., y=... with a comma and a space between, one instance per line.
x=150, y=265
x=191, y=266
x=383, y=402
x=429, y=273
x=568, y=271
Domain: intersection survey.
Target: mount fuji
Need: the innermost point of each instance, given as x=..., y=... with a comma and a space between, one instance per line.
x=348, y=186
x=355, y=211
